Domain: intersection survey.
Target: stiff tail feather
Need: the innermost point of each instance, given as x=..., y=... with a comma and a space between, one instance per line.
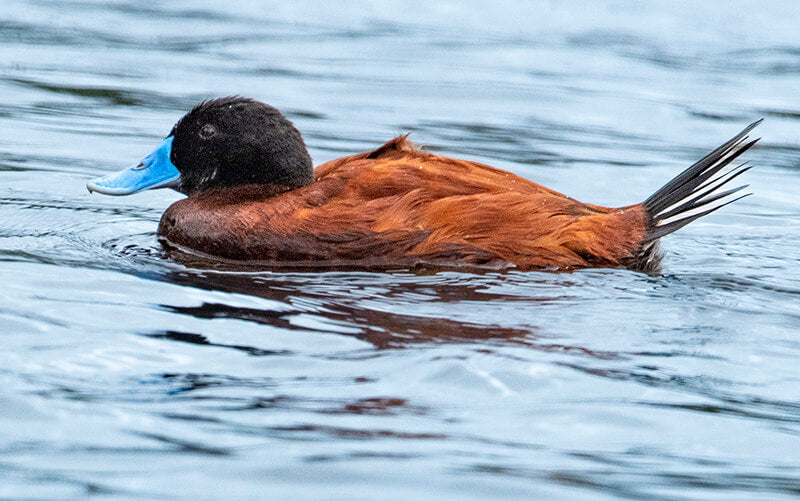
x=692, y=194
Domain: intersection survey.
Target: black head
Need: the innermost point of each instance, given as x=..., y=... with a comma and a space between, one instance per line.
x=234, y=141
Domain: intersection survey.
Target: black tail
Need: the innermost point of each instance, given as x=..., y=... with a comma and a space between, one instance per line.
x=692, y=194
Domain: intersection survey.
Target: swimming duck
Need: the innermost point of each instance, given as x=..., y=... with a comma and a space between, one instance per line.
x=254, y=197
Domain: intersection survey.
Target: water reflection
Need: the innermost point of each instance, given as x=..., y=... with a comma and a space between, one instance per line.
x=359, y=305
x=199, y=339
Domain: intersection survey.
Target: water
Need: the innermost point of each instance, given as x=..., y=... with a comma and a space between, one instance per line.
x=128, y=375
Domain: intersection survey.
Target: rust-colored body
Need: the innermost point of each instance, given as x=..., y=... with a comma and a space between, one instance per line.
x=399, y=206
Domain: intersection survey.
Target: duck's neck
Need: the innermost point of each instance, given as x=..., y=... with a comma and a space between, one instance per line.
x=242, y=193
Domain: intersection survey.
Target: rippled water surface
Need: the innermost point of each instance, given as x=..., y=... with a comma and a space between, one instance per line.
x=125, y=374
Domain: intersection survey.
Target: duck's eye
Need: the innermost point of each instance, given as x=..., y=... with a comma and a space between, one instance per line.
x=208, y=131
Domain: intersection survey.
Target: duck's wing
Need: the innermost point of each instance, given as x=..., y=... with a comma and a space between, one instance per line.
x=461, y=207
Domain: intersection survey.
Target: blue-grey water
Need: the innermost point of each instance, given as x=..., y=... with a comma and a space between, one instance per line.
x=127, y=375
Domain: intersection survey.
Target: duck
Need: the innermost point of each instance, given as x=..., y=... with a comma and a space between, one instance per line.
x=254, y=198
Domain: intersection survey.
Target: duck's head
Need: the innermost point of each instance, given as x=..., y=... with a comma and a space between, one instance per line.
x=220, y=143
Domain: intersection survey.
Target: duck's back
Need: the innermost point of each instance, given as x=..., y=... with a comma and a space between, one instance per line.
x=399, y=206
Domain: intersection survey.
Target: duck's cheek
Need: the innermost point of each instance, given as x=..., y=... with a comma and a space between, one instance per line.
x=156, y=170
